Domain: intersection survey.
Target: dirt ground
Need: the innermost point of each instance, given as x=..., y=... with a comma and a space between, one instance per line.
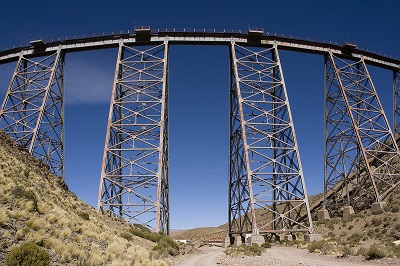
x=277, y=255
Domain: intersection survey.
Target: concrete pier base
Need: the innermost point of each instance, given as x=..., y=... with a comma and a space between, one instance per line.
x=288, y=237
x=378, y=206
x=226, y=242
x=312, y=237
x=238, y=241
x=256, y=239
x=323, y=215
x=347, y=211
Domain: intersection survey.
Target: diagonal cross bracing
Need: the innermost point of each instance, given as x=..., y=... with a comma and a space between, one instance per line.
x=361, y=154
x=33, y=109
x=266, y=185
x=134, y=177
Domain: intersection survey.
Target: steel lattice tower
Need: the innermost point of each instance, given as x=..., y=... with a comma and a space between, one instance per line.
x=33, y=109
x=361, y=154
x=267, y=192
x=134, y=177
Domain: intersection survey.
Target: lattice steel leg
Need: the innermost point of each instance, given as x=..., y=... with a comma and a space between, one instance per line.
x=361, y=154
x=33, y=109
x=267, y=189
x=396, y=116
x=134, y=178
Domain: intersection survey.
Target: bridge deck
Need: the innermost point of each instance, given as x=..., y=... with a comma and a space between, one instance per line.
x=200, y=38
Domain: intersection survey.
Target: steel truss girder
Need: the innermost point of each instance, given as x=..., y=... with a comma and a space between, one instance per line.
x=396, y=116
x=361, y=154
x=33, y=109
x=134, y=181
x=267, y=191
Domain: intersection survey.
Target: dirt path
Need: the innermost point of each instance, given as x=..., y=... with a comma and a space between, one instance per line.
x=277, y=256
x=209, y=256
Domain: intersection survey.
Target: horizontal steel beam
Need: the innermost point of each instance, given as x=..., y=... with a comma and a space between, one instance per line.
x=202, y=38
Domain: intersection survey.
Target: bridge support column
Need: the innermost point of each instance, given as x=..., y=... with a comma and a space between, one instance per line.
x=361, y=153
x=134, y=181
x=265, y=168
x=33, y=109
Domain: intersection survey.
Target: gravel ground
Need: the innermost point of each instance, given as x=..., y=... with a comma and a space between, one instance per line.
x=277, y=256
x=289, y=256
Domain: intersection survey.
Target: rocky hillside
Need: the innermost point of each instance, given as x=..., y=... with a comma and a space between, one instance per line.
x=37, y=207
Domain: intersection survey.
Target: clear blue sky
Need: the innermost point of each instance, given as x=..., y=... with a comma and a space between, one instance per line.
x=198, y=82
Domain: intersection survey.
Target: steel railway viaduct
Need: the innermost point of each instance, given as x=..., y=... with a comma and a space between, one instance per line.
x=267, y=192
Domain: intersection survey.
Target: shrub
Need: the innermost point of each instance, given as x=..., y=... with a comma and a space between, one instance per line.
x=256, y=250
x=376, y=221
x=20, y=192
x=354, y=239
x=146, y=233
x=315, y=245
x=266, y=245
x=331, y=234
x=396, y=251
x=84, y=215
x=166, y=245
x=347, y=251
x=27, y=254
x=362, y=251
x=374, y=252
x=397, y=227
x=127, y=236
x=142, y=228
x=395, y=209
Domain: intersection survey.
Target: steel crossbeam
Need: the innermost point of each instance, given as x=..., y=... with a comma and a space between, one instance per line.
x=266, y=185
x=33, y=109
x=134, y=177
x=361, y=155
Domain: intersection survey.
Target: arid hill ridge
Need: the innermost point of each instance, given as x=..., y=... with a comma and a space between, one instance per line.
x=37, y=207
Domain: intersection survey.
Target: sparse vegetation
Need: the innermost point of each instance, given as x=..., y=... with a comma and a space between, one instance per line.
x=316, y=245
x=347, y=251
x=84, y=216
x=127, y=236
x=21, y=193
x=253, y=250
x=375, y=252
x=376, y=221
x=376, y=212
x=266, y=245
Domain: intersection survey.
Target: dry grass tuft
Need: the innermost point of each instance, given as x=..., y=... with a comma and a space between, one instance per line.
x=19, y=214
x=35, y=223
x=3, y=216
